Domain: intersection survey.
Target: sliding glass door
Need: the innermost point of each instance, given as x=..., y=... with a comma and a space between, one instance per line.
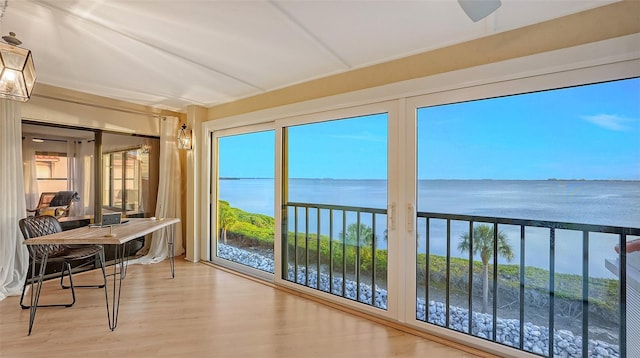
x=521, y=203
x=244, y=230
x=335, y=192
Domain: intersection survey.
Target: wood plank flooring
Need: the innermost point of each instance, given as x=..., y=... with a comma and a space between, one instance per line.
x=203, y=312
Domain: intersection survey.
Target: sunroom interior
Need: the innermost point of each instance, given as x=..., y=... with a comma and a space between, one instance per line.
x=365, y=189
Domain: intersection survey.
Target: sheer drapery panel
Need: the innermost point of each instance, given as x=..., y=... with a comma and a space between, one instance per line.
x=14, y=257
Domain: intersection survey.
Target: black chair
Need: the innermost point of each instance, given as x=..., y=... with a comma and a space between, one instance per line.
x=62, y=202
x=35, y=226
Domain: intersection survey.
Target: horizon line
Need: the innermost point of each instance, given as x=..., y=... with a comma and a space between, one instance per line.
x=450, y=179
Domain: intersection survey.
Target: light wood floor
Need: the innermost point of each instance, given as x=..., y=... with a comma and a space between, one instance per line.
x=203, y=312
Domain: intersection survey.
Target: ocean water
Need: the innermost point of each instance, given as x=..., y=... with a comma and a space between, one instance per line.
x=611, y=203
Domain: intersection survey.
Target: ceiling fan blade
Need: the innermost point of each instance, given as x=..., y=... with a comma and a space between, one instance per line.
x=479, y=9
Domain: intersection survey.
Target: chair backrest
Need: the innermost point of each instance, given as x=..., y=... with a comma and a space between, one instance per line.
x=64, y=198
x=45, y=199
x=60, y=205
x=35, y=226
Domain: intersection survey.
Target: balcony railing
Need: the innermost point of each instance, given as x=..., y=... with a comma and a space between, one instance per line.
x=342, y=250
x=336, y=249
x=517, y=336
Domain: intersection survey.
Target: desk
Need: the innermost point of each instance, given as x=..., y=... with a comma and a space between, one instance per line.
x=115, y=235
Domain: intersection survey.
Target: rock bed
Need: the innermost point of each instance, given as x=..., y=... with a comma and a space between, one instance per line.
x=536, y=338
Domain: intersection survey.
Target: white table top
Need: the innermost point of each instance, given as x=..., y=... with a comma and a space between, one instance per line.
x=122, y=233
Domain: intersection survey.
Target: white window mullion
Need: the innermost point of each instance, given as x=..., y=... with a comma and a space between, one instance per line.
x=408, y=230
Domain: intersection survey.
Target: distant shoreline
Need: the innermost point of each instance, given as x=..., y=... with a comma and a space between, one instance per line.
x=497, y=180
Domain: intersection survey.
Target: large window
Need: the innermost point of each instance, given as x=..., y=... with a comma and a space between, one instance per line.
x=492, y=208
x=521, y=200
x=123, y=173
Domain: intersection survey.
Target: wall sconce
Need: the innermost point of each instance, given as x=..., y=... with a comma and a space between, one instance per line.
x=17, y=72
x=184, y=137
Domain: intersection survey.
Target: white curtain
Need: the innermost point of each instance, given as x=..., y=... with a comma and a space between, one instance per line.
x=74, y=174
x=80, y=175
x=168, y=202
x=14, y=258
x=87, y=195
x=31, y=190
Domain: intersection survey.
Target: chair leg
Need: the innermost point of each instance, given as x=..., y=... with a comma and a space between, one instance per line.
x=65, y=266
x=73, y=290
x=24, y=288
x=97, y=259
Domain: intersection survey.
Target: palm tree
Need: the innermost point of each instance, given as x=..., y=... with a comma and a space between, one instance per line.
x=365, y=235
x=226, y=218
x=483, y=245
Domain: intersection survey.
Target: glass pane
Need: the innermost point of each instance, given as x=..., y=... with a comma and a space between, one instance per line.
x=132, y=181
x=336, y=239
x=117, y=172
x=521, y=201
x=106, y=180
x=246, y=199
x=51, y=171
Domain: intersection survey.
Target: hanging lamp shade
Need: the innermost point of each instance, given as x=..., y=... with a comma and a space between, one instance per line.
x=17, y=72
x=184, y=138
x=479, y=9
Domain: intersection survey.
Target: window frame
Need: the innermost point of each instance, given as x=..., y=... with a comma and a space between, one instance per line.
x=108, y=174
x=517, y=86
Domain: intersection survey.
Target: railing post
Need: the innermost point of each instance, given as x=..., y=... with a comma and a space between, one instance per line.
x=447, y=290
x=344, y=253
x=318, y=247
x=330, y=250
x=295, y=244
x=373, y=259
x=585, y=293
x=357, y=269
x=623, y=294
x=427, y=270
x=522, y=285
x=552, y=284
x=494, y=323
x=470, y=276
x=306, y=246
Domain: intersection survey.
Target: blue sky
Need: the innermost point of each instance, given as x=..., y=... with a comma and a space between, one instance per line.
x=247, y=155
x=587, y=132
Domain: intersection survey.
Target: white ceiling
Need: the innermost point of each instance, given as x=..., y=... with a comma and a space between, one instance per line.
x=170, y=53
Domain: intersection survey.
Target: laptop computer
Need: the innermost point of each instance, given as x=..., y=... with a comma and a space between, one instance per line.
x=109, y=220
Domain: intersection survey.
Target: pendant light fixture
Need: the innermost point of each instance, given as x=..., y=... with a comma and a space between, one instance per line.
x=479, y=9
x=17, y=72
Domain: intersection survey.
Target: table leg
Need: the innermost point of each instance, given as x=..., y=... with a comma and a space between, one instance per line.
x=170, y=243
x=35, y=292
x=119, y=273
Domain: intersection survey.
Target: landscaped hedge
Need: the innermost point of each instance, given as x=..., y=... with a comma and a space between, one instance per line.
x=603, y=293
x=343, y=255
